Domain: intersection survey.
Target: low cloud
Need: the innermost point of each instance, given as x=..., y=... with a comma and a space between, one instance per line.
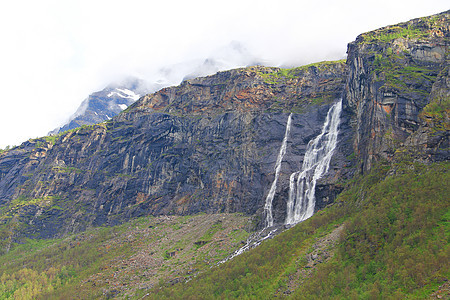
x=55, y=53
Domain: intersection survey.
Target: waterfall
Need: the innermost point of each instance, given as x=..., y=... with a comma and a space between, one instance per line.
x=269, y=198
x=301, y=201
x=302, y=184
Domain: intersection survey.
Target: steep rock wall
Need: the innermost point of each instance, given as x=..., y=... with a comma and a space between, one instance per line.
x=208, y=145
x=392, y=73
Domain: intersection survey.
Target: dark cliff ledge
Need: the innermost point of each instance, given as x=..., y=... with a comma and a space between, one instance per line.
x=208, y=145
x=394, y=73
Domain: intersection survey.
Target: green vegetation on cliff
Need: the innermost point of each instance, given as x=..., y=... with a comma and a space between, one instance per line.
x=421, y=28
x=278, y=76
x=437, y=113
x=394, y=70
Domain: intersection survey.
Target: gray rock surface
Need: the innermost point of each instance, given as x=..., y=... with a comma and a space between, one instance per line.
x=209, y=145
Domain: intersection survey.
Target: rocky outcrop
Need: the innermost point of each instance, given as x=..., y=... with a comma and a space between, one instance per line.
x=394, y=73
x=431, y=140
x=208, y=145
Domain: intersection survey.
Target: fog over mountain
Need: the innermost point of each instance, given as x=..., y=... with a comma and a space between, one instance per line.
x=105, y=104
x=54, y=54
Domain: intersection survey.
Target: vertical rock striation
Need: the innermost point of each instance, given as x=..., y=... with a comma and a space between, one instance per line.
x=208, y=145
x=393, y=72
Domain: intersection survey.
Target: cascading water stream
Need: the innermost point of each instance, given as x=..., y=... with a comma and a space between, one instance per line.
x=253, y=241
x=302, y=184
x=301, y=200
x=273, y=188
x=256, y=239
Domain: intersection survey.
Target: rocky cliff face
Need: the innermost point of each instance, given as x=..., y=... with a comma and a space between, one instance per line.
x=211, y=144
x=208, y=145
x=394, y=73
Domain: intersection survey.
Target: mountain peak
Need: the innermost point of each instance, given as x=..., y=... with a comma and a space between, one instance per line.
x=107, y=103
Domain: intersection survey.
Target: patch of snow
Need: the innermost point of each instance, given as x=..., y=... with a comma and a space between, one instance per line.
x=118, y=94
x=123, y=106
x=129, y=93
x=125, y=93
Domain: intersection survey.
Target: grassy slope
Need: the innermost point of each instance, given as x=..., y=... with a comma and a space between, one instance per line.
x=394, y=245
x=119, y=261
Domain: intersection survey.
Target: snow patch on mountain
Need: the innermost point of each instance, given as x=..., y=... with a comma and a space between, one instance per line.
x=124, y=93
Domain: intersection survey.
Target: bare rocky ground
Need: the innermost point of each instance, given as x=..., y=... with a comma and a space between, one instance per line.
x=167, y=249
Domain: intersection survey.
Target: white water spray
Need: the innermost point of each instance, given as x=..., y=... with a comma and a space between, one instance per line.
x=273, y=188
x=302, y=184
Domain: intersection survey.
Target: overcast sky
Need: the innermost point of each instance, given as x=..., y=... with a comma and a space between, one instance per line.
x=53, y=54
